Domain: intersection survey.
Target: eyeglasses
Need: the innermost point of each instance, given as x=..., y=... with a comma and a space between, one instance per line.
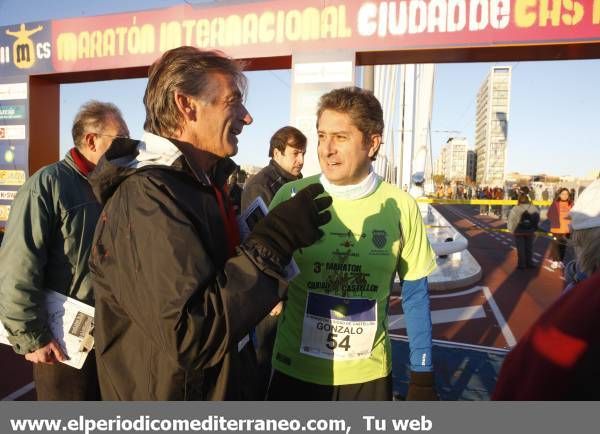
x=125, y=136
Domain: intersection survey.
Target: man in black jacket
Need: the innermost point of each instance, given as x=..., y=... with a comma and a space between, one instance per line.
x=176, y=294
x=287, y=149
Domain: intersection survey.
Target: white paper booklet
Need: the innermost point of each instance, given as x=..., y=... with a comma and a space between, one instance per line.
x=246, y=221
x=72, y=325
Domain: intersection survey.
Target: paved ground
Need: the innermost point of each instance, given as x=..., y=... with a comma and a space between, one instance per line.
x=460, y=373
x=474, y=327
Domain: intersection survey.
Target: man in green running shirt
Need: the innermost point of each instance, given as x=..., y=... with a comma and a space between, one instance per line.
x=332, y=342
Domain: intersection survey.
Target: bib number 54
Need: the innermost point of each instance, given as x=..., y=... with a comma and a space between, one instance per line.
x=333, y=342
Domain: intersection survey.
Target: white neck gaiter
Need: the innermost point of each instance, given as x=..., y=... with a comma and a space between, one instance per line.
x=354, y=191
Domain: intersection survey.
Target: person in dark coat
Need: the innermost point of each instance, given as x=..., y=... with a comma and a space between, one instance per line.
x=286, y=149
x=176, y=293
x=234, y=191
x=523, y=221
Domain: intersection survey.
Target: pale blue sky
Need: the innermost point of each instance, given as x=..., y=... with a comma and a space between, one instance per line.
x=554, y=122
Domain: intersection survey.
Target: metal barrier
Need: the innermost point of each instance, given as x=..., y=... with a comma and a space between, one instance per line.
x=456, y=267
x=444, y=238
x=490, y=202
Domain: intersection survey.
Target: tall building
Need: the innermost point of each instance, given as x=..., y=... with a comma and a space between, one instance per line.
x=471, y=165
x=454, y=159
x=491, y=131
x=438, y=168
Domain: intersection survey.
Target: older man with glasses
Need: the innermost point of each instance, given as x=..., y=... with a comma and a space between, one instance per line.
x=46, y=247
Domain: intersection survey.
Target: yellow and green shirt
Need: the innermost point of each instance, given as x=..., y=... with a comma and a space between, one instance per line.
x=333, y=329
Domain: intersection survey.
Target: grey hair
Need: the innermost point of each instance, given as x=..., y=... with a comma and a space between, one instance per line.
x=92, y=116
x=586, y=244
x=187, y=70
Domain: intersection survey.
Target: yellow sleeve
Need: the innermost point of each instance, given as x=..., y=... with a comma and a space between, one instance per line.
x=417, y=259
x=282, y=195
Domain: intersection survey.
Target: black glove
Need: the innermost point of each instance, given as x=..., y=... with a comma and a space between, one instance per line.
x=422, y=387
x=294, y=223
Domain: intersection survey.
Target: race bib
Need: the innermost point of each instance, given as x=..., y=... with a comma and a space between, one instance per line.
x=338, y=328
